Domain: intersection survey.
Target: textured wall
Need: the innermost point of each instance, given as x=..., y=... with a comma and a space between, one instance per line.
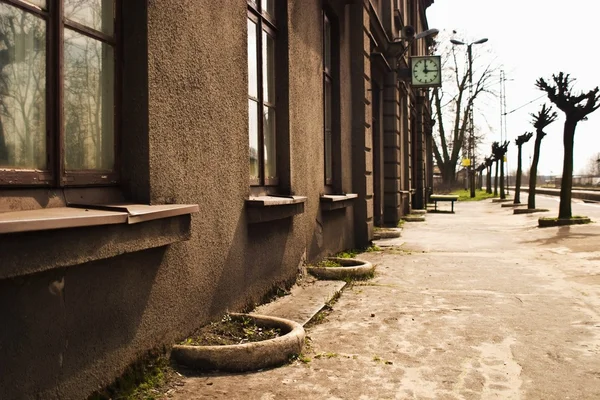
x=185, y=122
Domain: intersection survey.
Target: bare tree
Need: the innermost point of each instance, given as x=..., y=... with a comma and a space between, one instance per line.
x=519, y=141
x=499, y=151
x=454, y=112
x=576, y=108
x=489, y=162
x=592, y=166
x=541, y=120
x=496, y=160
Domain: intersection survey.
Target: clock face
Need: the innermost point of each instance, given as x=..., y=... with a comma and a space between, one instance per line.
x=426, y=71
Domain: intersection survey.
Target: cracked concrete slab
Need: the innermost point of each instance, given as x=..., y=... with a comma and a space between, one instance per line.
x=480, y=304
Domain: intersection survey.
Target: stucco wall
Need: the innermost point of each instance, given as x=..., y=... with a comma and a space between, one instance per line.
x=75, y=325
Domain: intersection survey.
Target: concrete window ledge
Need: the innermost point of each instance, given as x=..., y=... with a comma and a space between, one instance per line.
x=81, y=215
x=337, y=201
x=271, y=208
x=38, y=240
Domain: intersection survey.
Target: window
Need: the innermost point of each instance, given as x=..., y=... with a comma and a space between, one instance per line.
x=262, y=34
x=57, y=92
x=327, y=99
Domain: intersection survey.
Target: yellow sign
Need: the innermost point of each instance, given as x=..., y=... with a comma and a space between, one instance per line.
x=504, y=158
x=466, y=162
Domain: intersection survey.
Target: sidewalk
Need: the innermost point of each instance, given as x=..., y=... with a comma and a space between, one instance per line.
x=480, y=304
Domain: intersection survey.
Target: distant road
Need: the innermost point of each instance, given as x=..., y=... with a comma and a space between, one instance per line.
x=591, y=210
x=591, y=195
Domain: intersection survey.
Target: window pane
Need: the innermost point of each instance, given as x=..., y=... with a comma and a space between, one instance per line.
x=269, y=137
x=95, y=14
x=252, y=60
x=253, y=134
x=22, y=89
x=268, y=60
x=327, y=100
x=328, y=157
x=88, y=103
x=327, y=45
x=327, y=103
x=39, y=3
x=268, y=6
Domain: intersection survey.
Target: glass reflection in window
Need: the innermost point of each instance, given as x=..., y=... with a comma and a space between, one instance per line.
x=22, y=89
x=88, y=103
x=95, y=14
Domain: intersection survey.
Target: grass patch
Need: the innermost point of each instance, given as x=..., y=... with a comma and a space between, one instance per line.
x=465, y=195
x=329, y=264
x=351, y=253
x=147, y=379
x=348, y=253
x=303, y=358
x=229, y=331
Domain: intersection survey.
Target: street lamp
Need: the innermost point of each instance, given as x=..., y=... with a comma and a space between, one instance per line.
x=398, y=48
x=471, y=147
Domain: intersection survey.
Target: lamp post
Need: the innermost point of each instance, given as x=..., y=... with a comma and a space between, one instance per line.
x=471, y=147
x=399, y=48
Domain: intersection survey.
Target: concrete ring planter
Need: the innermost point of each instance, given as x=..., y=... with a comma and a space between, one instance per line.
x=506, y=205
x=549, y=222
x=386, y=233
x=529, y=210
x=247, y=356
x=351, y=268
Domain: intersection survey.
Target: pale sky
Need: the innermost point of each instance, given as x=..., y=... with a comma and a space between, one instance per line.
x=532, y=39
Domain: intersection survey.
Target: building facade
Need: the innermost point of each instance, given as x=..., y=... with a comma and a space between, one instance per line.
x=162, y=163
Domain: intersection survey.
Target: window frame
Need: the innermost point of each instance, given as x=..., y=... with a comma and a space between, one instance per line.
x=55, y=174
x=265, y=22
x=328, y=101
x=331, y=75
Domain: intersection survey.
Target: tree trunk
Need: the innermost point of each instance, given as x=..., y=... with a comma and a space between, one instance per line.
x=533, y=171
x=502, y=192
x=496, y=180
x=488, y=183
x=3, y=148
x=564, y=210
x=518, y=178
x=448, y=174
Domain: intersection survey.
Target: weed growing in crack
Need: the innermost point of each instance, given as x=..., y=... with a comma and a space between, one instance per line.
x=321, y=316
x=326, y=355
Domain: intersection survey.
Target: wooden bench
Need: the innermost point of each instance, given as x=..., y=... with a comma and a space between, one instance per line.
x=443, y=197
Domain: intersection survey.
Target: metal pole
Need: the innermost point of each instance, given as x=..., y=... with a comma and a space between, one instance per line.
x=471, y=126
x=504, y=124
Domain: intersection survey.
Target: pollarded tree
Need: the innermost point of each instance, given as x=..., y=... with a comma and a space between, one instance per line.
x=576, y=108
x=495, y=152
x=489, y=161
x=500, y=152
x=541, y=120
x=519, y=141
x=480, y=169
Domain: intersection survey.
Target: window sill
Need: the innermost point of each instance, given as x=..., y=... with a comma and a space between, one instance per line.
x=337, y=201
x=271, y=208
x=80, y=215
x=39, y=240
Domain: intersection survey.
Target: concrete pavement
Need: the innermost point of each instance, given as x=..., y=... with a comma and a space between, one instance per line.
x=480, y=304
